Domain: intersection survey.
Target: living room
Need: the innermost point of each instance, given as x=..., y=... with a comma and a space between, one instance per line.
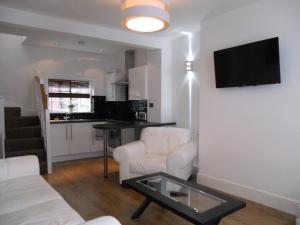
x=246, y=136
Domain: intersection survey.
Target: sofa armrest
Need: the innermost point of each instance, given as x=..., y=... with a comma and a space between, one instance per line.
x=104, y=220
x=129, y=151
x=182, y=156
x=19, y=167
x=126, y=153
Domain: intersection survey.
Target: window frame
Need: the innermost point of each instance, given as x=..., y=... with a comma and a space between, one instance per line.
x=70, y=95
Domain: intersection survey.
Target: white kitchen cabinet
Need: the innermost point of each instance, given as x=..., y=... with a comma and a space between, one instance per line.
x=80, y=137
x=75, y=138
x=60, y=139
x=114, y=91
x=138, y=83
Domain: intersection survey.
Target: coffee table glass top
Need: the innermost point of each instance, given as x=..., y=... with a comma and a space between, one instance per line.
x=198, y=200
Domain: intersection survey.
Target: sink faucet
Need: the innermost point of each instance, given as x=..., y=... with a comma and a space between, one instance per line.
x=67, y=116
x=136, y=115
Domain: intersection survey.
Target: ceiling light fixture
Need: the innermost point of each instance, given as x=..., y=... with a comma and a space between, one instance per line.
x=145, y=15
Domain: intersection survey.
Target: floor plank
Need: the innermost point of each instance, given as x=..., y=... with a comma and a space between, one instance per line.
x=82, y=185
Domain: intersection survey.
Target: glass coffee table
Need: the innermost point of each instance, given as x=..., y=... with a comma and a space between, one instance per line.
x=196, y=203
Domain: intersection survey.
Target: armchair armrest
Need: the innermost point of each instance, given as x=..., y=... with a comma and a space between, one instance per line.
x=19, y=167
x=182, y=156
x=126, y=153
x=129, y=151
x=104, y=220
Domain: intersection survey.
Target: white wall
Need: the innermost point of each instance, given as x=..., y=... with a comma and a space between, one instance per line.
x=20, y=62
x=141, y=57
x=154, y=85
x=185, y=86
x=250, y=136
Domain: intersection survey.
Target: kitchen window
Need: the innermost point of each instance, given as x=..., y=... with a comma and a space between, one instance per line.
x=69, y=96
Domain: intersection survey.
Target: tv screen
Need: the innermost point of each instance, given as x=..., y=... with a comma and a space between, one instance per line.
x=251, y=64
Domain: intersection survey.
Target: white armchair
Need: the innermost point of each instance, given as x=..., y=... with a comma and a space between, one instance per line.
x=160, y=149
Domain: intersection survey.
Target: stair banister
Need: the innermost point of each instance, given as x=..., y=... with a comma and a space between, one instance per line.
x=2, y=127
x=44, y=116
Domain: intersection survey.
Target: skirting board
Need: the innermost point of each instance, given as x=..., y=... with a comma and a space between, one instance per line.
x=260, y=196
x=77, y=156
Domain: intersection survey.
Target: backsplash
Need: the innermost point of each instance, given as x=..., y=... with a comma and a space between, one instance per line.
x=119, y=110
x=127, y=111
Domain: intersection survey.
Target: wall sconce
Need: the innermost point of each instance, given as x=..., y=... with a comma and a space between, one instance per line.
x=188, y=66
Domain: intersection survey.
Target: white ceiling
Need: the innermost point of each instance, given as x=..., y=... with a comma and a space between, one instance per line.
x=78, y=43
x=69, y=41
x=186, y=15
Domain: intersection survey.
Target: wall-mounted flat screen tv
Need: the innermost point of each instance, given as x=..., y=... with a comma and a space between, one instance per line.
x=256, y=63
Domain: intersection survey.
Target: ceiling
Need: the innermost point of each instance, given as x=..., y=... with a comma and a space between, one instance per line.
x=186, y=15
x=69, y=41
x=78, y=43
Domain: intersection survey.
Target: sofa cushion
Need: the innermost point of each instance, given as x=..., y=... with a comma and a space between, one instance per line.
x=54, y=212
x=20, y=193
x=148, y=164
x=164, y=140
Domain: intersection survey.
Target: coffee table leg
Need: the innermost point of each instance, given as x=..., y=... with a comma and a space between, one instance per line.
x=138, y=212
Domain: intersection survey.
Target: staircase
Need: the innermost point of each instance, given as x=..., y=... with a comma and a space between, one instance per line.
x=23, y=136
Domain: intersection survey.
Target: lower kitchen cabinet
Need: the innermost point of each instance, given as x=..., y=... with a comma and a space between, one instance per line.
x=71, y=139
x=60, y=139
x=80, y=138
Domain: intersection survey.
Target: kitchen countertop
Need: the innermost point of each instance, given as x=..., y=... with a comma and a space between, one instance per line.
x=113, y=124
x=117, y=125
x=77, y=121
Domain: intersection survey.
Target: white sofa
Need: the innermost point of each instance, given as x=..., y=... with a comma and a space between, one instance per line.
x=160, y=149
x=26, y=198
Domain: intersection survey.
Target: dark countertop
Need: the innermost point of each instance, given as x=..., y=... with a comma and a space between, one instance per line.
x=77, y=121
x=113, y=124
x=117, y=125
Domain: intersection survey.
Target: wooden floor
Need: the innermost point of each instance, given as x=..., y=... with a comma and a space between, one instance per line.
x=82, y=185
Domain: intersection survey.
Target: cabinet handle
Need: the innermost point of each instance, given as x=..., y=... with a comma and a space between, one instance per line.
x=71, y=132
x=93, y=136
x=66, y=131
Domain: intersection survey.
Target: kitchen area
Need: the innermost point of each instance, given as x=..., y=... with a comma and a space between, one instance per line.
x=88, y=125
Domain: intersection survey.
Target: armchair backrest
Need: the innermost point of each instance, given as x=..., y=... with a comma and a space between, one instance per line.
x=164, y=140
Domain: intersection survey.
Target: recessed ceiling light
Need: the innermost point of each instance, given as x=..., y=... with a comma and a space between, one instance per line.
x=145, y=15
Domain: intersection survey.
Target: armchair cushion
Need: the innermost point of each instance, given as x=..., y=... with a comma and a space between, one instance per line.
x=163, y=140
x=148, y=164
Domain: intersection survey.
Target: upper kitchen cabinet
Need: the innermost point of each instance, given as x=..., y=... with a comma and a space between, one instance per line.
x=115, y=90
x=138, y=83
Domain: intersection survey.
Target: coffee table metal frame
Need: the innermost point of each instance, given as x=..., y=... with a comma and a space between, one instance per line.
x=210, y=217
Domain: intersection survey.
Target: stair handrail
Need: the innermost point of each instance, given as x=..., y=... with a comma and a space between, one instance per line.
x=44, y=116
x=2, y=128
